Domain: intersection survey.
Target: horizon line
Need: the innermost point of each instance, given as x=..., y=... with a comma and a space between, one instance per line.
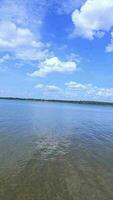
x=93, y=102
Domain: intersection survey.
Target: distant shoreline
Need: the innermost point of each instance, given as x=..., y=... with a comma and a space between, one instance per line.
x=59, y=101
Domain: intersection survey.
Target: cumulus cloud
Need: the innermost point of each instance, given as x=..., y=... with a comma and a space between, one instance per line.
x=54, y=64
x=76, y=91
x=94, y=18
x=19, y=40
x=20, y=29
x=12, y=36
x=89, y=90
x=23, y=44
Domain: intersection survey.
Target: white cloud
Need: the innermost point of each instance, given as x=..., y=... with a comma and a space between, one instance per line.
x=54, y=64
x=77, y=86
x=5, y=58
x=26, y=13
x=20, y=24
x=12, y=36
x=76, y=91
x=53, y=88
x=32, y=54
x=109, y=48
x=22, y=43
x=94, y=18
x=14, y=11
x=88, y=90
x=39, y=86
x=49, y=88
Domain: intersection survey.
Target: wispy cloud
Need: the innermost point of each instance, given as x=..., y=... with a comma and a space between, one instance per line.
x=26, y=13
x=67, y=6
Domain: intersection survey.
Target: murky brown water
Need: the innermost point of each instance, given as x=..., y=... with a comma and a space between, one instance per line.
x=53, y=151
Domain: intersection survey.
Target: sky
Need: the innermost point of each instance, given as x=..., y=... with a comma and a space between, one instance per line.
x=56, y=49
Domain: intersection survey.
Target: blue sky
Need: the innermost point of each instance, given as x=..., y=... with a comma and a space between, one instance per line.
x=57, y=49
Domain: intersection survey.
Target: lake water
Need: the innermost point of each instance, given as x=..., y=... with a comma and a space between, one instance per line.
x=55, y=151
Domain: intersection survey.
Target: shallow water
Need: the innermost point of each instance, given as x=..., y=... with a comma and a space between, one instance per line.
x=55, y=151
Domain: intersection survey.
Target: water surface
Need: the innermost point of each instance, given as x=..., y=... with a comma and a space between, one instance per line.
x=55, y=151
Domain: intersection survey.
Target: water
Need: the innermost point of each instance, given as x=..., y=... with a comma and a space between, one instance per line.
x=55, y=151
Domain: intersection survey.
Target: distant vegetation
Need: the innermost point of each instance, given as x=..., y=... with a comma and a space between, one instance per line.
x=59, y=101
